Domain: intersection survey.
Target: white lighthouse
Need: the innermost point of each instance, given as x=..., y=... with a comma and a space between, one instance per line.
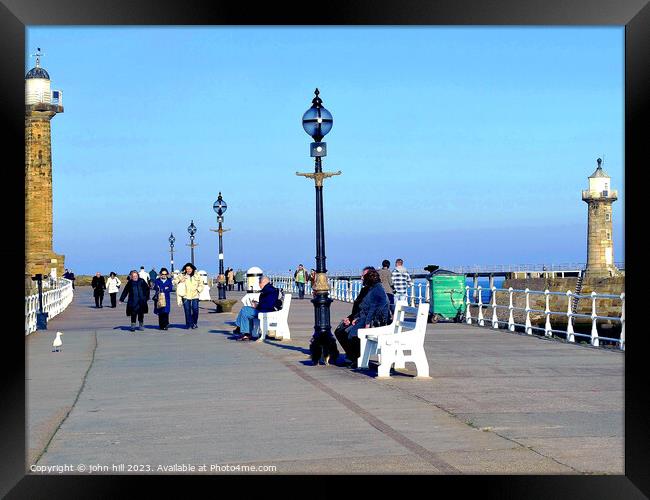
x=38, y=86
x=600, y=242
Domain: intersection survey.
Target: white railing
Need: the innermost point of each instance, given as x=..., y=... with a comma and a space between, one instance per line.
x=55, y=301
x=570, y=334
x=347, y=290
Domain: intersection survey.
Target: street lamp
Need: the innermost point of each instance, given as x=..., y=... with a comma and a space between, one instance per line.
x=220, y=207
x=171, y=248
x=192, y=230
x=317, y=122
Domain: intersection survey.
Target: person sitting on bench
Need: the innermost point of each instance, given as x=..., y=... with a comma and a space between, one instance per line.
x=269, y=301
x=371, y=308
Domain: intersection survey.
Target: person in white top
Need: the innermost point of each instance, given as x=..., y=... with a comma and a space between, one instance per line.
x=113, y=286
x=144, y=275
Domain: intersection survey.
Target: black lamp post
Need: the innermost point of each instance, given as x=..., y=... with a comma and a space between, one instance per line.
x=41, y=316
x=192, y=230
x=317, y=122
x=171, y=248
x=220, y=207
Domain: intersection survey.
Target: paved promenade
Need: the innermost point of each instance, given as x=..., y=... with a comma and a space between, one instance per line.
x=497, y=402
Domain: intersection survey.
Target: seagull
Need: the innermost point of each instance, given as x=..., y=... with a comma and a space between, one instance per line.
x=57, y=342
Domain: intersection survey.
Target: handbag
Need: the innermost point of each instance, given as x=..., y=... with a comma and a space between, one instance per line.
x=180, y=293
x=161, y=303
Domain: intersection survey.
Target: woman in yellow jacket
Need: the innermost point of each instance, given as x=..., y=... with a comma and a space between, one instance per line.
x=193, y=284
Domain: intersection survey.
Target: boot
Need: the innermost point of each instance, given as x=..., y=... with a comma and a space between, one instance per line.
x=140, y=326
x=132, y=327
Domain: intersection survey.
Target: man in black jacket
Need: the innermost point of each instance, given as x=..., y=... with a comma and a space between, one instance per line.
x=99, y=285
x=269, y=301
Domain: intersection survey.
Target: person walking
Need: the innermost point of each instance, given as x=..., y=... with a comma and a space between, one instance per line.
x=144, y=275
x=113, y=286
x=137, y=291
x=401, y=280
x=152, y=277
x=387, y=281
x=301, y=278
x=239, y=279
x=193, y=284
x=230, y=278
x=69, y=275
x=99, y=285
x=162, y=303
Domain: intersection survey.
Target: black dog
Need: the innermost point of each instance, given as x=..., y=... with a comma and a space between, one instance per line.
x=323, y=348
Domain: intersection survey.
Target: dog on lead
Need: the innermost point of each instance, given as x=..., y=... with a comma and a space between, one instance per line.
x=322, y=349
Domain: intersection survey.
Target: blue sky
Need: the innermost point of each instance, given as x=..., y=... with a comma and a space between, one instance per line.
x=458, y=146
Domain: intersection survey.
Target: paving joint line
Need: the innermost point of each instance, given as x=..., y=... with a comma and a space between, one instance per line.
x=74, y=403
x=419, y=450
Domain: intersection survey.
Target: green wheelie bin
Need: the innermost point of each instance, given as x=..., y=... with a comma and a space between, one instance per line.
x=447, y=295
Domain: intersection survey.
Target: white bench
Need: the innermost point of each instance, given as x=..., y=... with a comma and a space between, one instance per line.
x=391, y=342
x=275, y=320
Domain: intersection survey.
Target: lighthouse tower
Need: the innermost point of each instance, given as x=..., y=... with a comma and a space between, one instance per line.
x=600, y=245
x=41, y=105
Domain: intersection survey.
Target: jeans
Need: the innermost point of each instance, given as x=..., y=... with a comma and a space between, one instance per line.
x=245, y=319
x=191, y=308
x=240, y=286
x=301, y=290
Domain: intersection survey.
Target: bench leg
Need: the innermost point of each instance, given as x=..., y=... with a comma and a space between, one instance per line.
x=387, y=360
x=400, y=362
x=285, y=333
x=421, y=363
x=365, y=348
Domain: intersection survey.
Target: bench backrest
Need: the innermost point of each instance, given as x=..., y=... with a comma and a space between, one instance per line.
x=286, y=304
x=410, y=319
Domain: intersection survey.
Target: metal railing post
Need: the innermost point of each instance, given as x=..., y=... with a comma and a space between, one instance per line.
x=495, y=318
x=622, y=341
x=481, y=320
x=594, y=331
x=569, y=328
x=529, y=326
x=548, y=331
x=511, y=318
x=468, y=312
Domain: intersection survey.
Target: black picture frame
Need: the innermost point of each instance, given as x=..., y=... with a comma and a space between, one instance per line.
x=15, y=15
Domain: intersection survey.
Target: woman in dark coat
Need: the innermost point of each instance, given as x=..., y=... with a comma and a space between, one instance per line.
x=99, y=285
x=374, y=310
x=162, y=285
x=138, y=292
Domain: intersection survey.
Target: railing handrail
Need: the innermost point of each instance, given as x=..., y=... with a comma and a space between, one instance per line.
x=55, y=300
x=347, y=290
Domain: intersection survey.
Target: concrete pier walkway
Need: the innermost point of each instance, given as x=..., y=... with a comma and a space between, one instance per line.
x=497, y=402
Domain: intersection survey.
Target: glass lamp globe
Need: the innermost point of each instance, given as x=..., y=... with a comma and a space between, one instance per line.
x=317, y=121
x=220, y=206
